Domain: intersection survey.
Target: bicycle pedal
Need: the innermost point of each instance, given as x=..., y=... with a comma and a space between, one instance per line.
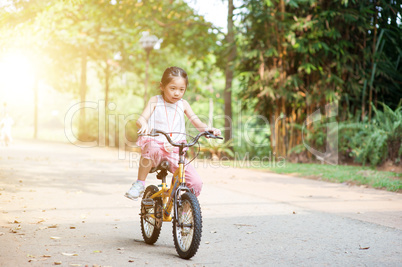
x=148, y=202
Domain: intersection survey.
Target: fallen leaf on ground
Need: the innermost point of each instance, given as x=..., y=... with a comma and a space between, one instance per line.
x=46, y=256
x=130, y=260
x=69, y=254
x=72, y=227
x=55, y=237
x=206, y=242
x=53, y=226
x=15, y=230
x=363, y=248
x=75, y=264
x=97, y=251
x=57, y=263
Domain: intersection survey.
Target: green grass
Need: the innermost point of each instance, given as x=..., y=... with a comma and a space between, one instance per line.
x=391, y=181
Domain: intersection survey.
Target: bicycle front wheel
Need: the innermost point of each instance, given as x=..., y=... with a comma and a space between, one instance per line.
x=187, y=228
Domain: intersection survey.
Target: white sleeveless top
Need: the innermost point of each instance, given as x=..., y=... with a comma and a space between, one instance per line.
x=169, y=119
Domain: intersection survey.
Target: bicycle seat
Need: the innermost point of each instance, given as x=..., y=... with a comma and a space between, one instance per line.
x=164, y=165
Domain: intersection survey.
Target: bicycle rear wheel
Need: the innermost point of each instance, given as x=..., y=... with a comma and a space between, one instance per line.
x=151, y=217
x=188, y=228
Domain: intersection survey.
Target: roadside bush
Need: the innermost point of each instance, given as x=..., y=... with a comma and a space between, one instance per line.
x=379, y=140
x=314, y=136
x=256, y=145
x=217, y=149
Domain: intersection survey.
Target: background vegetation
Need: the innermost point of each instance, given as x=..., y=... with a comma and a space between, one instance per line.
x=276, y=63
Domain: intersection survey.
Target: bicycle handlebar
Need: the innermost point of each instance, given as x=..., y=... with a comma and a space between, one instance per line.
x=209, y=134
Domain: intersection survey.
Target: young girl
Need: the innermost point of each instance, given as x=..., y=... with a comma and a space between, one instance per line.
x=166, y=112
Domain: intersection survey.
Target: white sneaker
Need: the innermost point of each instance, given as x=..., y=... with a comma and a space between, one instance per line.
x=135, y=191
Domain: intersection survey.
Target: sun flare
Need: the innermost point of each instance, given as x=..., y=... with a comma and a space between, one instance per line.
x=17, y=78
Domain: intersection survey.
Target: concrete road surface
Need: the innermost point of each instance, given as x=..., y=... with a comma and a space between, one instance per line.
x=63, y=205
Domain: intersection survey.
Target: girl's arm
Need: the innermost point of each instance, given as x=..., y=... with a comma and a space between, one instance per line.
x=198, y=124
x=142, y=122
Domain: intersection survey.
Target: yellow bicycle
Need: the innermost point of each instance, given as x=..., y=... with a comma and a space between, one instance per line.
x=157, y=205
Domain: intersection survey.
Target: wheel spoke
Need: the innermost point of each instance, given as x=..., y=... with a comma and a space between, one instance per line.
x=185, y=226
x=150, y=224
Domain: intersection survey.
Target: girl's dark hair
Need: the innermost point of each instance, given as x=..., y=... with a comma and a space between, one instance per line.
x=171, y=73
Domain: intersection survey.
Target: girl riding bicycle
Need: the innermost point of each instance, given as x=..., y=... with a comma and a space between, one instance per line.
x=166, y=112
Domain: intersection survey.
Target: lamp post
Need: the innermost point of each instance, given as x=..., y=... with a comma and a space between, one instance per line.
x=147, y=42
x=36, y=108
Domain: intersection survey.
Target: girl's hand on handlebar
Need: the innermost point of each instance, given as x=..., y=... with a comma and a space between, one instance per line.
x=145, y=129
x=215, y=131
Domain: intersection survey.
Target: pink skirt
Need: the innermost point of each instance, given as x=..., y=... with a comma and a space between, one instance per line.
x=155, y=151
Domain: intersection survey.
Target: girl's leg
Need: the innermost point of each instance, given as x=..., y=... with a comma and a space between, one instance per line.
x=144, y=168
x=138, y=187
x=193, y=180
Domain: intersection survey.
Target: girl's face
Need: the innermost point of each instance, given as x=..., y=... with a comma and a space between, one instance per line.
x=174, y=90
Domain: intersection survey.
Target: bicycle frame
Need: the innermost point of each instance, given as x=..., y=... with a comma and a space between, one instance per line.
x=158, y=204
x=169, y=195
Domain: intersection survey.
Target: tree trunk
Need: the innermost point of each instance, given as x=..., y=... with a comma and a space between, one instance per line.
x=364, y=86
x=107, y=77
x=146, y=79
x=83, y=91
x=372, y=59
x=105, y=137
x=281, y=151
x=227, y=95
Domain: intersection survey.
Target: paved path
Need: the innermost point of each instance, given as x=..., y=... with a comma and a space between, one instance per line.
x=63, y=204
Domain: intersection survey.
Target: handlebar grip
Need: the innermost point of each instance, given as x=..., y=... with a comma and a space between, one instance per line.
x=154, y=133
x=214, y=137
x=211, y=135
x=150, y=134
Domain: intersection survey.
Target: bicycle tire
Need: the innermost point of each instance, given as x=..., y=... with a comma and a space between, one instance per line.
x=187, y=238
x=151, y=227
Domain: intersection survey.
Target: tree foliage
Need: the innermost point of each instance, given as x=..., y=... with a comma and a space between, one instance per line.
x=298, y=56
x=291, y=58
